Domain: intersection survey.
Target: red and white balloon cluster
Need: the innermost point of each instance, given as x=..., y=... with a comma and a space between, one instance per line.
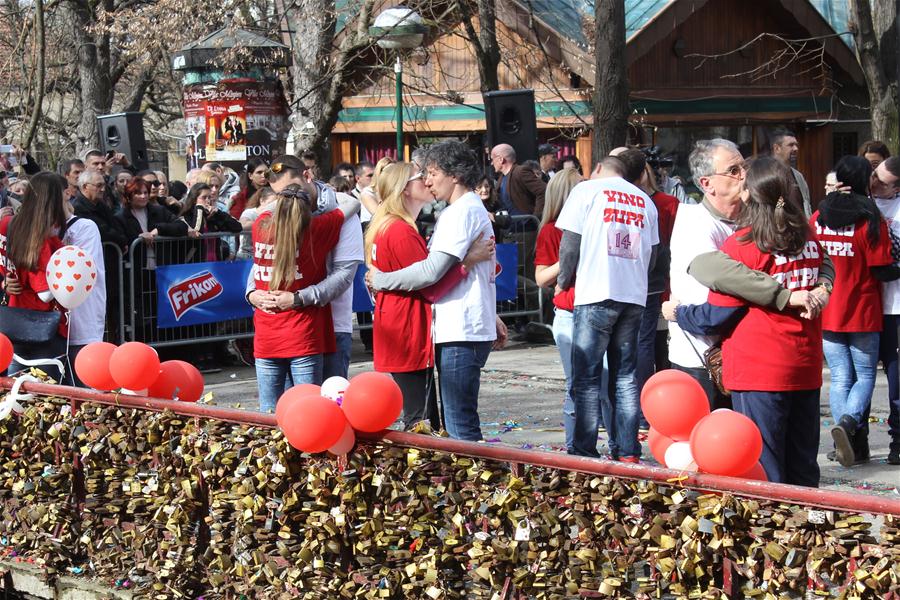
x=314, y=419
x=684, y=435
x=134, y=368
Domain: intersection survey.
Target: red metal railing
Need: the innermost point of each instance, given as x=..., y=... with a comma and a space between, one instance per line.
x=828, y=499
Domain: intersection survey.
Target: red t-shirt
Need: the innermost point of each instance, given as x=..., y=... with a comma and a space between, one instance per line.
x=546, y=253
x=401, y=340
x=33, y=282
x=666, y=208
x=855, y=303
x=303, y=331
x=768, y=350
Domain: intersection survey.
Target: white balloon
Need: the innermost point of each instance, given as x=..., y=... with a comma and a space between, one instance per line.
x=334, y=387
x=142, y=392
x=71, y=275
x=679, y=457
x=345, y=443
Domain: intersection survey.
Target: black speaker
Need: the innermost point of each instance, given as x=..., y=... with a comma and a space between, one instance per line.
x=510, y=120
x=124, y=132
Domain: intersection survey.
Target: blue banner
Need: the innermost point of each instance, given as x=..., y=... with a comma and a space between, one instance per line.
x=362, y=302
x=507, y=272
x=199, y=293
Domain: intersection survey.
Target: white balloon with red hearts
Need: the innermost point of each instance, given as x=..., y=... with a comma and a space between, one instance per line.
x=71, y=275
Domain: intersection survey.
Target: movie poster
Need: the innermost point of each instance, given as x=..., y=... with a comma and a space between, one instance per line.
x=234, y=120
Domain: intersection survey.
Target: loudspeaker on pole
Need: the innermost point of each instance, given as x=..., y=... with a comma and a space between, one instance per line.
x=124, y=132
x=510, y=119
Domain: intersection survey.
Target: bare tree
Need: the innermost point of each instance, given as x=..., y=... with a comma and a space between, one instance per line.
x=611, y=85
x=484, y=42
x=877, y=34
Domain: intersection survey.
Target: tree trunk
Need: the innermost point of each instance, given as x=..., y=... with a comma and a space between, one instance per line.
x=41, y=74
x=611, y=85
x=484, y=42
x=876, y=41
x=96, y=89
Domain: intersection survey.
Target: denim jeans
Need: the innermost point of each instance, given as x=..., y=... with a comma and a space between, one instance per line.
x=853, y=360
x=606, y=328
x=888, y=351
x=646, y=353
x=789, y=425
x=563, y=322
x=337, y=363
x=274, y=374
x=459, y=369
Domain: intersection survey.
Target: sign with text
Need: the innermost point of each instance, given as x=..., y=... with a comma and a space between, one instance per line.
x=200, y=293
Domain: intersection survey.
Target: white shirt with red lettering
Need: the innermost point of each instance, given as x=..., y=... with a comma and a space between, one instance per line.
x=617, y=222
x=890, y=210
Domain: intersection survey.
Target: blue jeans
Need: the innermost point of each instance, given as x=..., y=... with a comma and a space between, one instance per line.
x=274, y=374
x=337, y=363
x=888, y=353
x=459, y=369
x=646, y=356
x=563, y=321
x=789, y=425
x=606, y=328
x=853, y=360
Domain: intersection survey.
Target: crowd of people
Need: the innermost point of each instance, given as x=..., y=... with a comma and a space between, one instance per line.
x=641, y=279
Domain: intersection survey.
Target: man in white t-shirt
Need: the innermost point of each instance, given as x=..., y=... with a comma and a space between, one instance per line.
x=885, y=189
x=609, y=237
x=466, y=326
x=87, y=321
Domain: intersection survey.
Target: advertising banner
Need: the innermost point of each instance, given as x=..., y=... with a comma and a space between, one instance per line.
x=234, y=120
x=200, y=293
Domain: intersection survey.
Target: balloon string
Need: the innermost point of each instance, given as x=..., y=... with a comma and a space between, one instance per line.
x=11, y=403
x=54, y=362
x=680, y=479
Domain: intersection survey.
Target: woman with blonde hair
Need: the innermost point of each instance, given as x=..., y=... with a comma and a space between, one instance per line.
x=290, y=250
x=369, y=196
x=402, y=327
x=546, y=269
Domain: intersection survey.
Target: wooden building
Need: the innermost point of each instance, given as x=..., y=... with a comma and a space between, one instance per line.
x=694, y=71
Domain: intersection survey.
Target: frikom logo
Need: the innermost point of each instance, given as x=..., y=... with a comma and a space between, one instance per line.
x=192, y=292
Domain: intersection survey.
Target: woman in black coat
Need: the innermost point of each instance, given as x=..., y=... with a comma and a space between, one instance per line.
x=145, y=221
x=202, y=215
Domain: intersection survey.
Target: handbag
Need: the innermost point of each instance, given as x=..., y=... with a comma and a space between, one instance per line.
x=25, y=326
x=712, y=362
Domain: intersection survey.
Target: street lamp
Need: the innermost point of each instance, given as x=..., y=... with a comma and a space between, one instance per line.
x=399, y=28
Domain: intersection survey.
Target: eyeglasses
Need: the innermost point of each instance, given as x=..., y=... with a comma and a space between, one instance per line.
x=415, y=176
x=734, y=172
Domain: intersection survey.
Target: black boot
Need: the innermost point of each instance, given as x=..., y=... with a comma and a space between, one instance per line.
x=861, y=445
x=894, y=452
x=844, y=433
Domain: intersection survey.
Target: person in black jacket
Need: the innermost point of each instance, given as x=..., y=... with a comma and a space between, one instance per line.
x=202, y=215
x=142, y=220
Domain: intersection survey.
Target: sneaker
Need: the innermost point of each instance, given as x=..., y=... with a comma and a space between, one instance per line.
x=843, y=434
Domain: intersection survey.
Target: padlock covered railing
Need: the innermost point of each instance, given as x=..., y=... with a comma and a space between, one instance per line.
x=183, y=500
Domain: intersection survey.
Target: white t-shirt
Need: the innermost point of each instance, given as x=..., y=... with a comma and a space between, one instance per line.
x=617, y=222
x=890, y=290
x=468, y=313
x=88, y=320
x=364, y=215
x=349, y=247
x=696, y=231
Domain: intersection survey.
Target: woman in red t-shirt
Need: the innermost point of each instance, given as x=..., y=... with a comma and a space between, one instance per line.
x=771, y=360
x=546, y=268
x=27, y=241
x=290, y=249
x=401, y=331
x=856, y=238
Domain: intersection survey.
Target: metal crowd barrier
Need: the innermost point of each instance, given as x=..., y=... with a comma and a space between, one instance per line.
x=132, y=311
x=141, y=316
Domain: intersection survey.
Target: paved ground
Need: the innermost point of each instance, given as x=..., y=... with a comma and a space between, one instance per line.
x=521, y=405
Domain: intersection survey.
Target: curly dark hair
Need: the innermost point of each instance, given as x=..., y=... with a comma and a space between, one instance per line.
x=455, y=159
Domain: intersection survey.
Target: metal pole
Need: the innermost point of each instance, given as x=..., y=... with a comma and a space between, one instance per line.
x=764, y=490
x=398, y=71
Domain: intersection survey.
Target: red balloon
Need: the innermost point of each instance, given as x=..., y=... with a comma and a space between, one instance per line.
x=726, y=443
x=658, y=445
x=372, y=402
x=756, y=472
x=673, y=402
x=177, y=378
x=291, y=395
x=134, y=365
x=92, y=366
x=313, y=424
x=6, y=352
